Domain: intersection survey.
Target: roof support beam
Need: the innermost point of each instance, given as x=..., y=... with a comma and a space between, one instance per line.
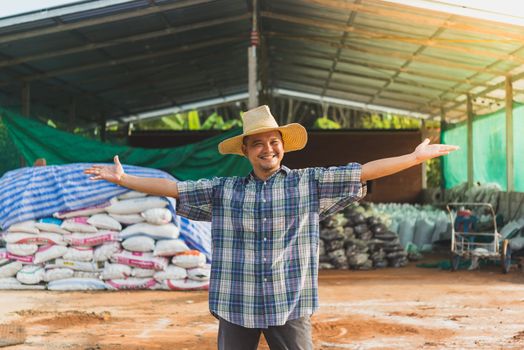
x=379, y=34
x=423, y=17
x=349, y=24
x=100, y=20
x=291, y=79
x=119, y=41
x=470, y=140
x=115, y=62
x=509, y=133
x=406, y=63
x=387, y=53
x=486, y=91
x=489, y=89
x=252, y=60
x=381, y=66
x=396, y=81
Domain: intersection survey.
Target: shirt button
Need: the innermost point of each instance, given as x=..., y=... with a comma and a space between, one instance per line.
x=264, y=183
x=265, y=239
x=264, y=219
x=265, y=279
x=265, y=259
x=263, y=200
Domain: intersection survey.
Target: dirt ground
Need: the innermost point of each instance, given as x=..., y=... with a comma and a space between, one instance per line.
x=406, y=308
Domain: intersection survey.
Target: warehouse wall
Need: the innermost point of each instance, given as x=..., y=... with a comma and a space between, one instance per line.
x=327, y=148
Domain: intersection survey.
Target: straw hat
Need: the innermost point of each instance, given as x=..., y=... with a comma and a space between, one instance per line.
x=259, y=120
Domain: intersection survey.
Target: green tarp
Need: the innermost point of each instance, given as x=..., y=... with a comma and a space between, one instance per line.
x=489, y=150
x=199, y=160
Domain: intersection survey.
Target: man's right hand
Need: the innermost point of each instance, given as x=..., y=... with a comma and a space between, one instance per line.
x=112, y=173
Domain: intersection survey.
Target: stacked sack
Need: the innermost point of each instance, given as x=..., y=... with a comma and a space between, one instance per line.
x=417, y=225
x=351, y=240
x=130, y=242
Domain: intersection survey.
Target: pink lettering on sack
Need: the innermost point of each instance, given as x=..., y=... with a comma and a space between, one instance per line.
x=23, y=259
x=148, y=284
x=79, y=220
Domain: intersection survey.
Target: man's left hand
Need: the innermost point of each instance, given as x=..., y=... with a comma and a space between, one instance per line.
x=425, y=151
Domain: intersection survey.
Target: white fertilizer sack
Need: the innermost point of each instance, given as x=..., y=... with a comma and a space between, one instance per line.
x=136, y=205
x=128, y=219
x=158, y=216
x=79, y=254
x=21, y=249
x=131, y=283
x=170, y=247
x=139, y=244
x=10, y=269
x=189, y=259
x=115, y=271
x=77, y=284
x=57, y=274
x=172, y=272
x=106, y=251
x=78, y=224
x=50, y=252
x=31, y=274
x=104, y=222
x=168, y=231
x=26, y=226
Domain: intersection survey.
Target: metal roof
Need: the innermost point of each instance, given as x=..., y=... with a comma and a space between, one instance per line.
x=112, y=58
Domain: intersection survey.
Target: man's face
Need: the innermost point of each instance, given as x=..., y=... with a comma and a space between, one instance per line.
x=264, y=151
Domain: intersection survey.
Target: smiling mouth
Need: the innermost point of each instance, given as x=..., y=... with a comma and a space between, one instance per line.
x=268, y=157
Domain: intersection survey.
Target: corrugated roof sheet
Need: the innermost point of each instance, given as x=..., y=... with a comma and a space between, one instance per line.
x=117, y=58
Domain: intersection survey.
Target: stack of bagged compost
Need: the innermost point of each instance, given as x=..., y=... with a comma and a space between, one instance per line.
x=351, y=239
x=128, y=241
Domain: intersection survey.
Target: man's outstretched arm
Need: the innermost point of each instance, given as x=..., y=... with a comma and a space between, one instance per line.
x=387, y=166
x=115, y=174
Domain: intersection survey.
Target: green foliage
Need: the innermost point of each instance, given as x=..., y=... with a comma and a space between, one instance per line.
x=172, y=122
x=188, y=121
x=51, y=123
x=389, y=121
x=325, y=123
x=193, y=120
x=214, y=121
x=433, y=173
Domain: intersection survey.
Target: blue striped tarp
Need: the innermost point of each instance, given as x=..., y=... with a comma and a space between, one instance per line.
x=36, y=192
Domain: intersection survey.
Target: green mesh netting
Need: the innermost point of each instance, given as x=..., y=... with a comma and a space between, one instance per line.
x=489, y=150
x=199, y=160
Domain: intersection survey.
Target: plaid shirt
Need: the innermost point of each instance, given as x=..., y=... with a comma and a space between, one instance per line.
x=265, y=238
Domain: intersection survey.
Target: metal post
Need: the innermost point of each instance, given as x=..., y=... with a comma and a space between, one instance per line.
x=424, y=134
x=509, y=133
x=252, y=61
x=470, y=140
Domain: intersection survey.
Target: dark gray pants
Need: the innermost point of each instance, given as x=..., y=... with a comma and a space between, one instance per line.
x=294, y=335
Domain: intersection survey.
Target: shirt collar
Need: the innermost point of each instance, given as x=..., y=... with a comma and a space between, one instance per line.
x=251, y=177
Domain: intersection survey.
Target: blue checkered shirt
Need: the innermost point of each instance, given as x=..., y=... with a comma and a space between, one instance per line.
x=265, y=238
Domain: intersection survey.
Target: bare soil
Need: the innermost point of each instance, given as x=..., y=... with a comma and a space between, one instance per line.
x=406, y=308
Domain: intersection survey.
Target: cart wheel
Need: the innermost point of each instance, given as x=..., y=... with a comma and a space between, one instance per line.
x=505, y=257
x=455, y=262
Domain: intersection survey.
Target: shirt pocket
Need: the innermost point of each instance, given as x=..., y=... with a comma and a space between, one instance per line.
x=243, y=220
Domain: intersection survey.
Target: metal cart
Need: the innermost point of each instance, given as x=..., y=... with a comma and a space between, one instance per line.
x=467, y=242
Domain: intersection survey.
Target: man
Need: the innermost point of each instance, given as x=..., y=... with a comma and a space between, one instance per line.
x=265, y=228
